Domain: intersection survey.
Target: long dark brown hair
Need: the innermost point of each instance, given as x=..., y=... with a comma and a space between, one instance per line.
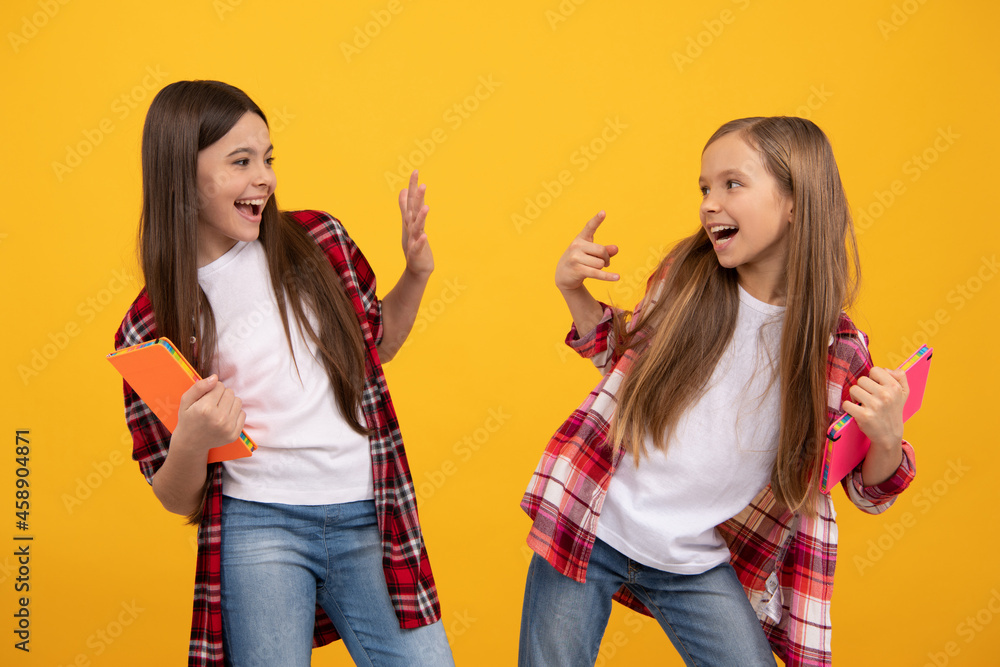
x=683, y=333
x=183, y=119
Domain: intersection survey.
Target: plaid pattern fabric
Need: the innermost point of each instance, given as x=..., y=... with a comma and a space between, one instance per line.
x=785, y=561
x=404, y=557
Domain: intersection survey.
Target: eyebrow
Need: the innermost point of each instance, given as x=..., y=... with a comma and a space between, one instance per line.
x=247, y=149
x=727, y=173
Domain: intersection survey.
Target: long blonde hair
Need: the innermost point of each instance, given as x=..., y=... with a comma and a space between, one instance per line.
x=683, y=334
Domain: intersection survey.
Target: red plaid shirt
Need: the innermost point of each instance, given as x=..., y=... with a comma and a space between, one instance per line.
x=784, y=561
x=404, y=556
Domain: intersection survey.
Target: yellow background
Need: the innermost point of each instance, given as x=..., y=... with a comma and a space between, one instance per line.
x=892, y=82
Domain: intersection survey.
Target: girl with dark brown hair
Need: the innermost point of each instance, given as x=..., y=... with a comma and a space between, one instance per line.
x=687, y=484
x=316, y=536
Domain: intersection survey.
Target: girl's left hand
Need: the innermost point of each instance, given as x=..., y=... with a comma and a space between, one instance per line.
x=877, y=406
x=416, y=247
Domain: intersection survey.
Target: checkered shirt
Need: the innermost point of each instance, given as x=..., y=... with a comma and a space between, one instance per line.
x=404, y=556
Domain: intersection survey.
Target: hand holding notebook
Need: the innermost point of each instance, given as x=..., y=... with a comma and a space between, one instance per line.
x=209, y=413
x=160, y=374
x=847, y=445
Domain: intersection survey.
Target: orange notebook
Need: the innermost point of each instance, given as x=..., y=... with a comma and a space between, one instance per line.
x=160, y=374
x=846, y=445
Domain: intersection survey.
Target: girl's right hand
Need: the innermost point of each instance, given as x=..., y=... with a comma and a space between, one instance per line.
x=210, y=416
x=585, y=259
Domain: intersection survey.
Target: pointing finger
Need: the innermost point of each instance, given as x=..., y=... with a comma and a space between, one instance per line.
x=588, y=229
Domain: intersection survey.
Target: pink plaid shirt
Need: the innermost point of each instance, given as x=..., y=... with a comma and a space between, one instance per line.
x=785, y=561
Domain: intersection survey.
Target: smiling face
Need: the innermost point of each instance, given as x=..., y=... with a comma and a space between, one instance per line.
x=746, y=215
x=235, y=180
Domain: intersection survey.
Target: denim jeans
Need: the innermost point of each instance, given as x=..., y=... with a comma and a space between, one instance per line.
x=707, y=616
x=279, y=561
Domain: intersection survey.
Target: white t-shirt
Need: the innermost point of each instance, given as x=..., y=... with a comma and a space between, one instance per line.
x=663, y=513
x=307, y=454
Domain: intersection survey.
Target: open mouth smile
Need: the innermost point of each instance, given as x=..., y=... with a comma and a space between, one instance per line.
x=722, y=234
x=250, y=208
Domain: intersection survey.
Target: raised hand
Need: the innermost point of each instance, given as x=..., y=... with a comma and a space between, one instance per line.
x=585, y=259
x=416, y=247
x=400, y=305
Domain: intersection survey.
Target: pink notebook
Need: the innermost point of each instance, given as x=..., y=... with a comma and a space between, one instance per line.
x=846, y=445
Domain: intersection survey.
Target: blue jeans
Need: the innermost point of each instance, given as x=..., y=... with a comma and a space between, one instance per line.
x=707, y=616
x=279, y=561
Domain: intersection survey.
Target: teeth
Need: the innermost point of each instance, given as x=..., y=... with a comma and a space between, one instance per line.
x=258, y=202
x=718, y=228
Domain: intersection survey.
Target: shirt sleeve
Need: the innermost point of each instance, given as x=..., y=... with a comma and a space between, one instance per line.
x=150, y=438
x=365, y=276
x=596, y=345
x=877, y=498
x=600, y=345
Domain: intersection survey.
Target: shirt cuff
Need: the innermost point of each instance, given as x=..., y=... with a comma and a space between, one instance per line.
x=595, y=341
x=892, y=487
